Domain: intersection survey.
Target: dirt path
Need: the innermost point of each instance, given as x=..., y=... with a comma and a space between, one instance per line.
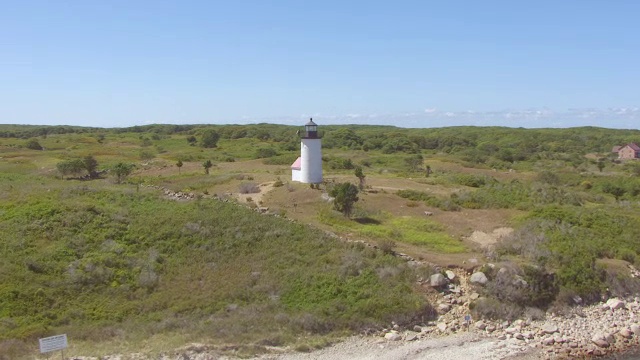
x=485, y=239
x=257, y=197
x=454, y=347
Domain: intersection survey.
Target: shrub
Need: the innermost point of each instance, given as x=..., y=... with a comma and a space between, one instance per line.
x=340, y=163
x=386, y=246
x=415, y=195
x=33, y=144
x=470, y=180
x=287, y=159
x=489, y=308
x=249, y=188
x=122, y=171
x=265, y=153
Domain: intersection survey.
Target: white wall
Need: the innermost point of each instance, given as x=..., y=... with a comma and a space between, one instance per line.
x=296, y=175
x=311, y=161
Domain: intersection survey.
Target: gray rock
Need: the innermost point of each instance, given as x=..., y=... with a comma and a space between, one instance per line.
x=511, y=330
x=417, y=328
x=437, y=280
x=519, y=281
x=600, y=340
x=549, y=328
x=480, y=325
x=474, y=296
x=411, y=336
x=478, y=278
x=450, y=274
x=442, y=326
x=635, y=328
x=393, y=336
x=625, y=333
x=548, y=341
x=610, y=337
x=490, y=328
x=615, y=304
x=444, y=308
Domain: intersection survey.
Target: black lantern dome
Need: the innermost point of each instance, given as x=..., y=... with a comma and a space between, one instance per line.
x=310, y=130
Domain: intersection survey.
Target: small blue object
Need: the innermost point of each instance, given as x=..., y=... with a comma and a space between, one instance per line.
x=467, y=318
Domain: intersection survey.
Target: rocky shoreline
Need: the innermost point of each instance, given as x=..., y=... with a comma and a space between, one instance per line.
x=600, y=329
x=595, y=330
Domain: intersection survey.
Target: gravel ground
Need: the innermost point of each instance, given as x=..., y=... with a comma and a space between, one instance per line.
x=454, y=347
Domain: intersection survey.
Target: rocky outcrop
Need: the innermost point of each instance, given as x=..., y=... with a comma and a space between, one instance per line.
x=593, y=330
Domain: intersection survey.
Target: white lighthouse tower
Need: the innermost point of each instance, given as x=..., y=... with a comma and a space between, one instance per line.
x=308, y=167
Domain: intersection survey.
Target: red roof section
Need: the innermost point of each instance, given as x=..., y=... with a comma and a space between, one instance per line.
x=296, y=164
x=634, y=147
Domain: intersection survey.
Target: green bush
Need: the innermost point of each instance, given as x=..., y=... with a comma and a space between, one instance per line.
x=262, y=153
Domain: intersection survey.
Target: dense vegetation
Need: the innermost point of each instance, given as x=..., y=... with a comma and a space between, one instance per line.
x=96, y=255
x=86, y=258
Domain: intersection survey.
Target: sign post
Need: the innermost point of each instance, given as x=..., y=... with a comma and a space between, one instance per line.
x=53, y=343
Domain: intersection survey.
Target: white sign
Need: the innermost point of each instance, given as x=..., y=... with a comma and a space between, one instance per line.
x=53, y=343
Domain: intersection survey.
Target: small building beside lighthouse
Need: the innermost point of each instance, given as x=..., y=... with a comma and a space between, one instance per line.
x=308, y=167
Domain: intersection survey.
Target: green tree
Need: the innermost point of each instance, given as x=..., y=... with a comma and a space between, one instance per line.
x=70, y=167
x=210, y=138
x=91, y=165
x=600, y=164
x=179, y=165
x=207, y=165
x=414, y=163
x=616, y=190
x=345, y=196
x=121, y=171
x=360, y=175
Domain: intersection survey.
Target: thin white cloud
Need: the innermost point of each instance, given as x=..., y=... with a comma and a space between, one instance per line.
x=622, y=118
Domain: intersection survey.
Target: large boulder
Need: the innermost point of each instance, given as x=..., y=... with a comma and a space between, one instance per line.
x=600, y=340
x=635, y=328
x=615, y=304
x=393, y=336
x=478, y=278
x=437, y=280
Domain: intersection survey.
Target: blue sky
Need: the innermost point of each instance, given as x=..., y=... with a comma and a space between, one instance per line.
x=408, y=63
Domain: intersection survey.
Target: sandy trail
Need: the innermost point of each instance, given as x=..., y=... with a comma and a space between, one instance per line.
x=464, y=346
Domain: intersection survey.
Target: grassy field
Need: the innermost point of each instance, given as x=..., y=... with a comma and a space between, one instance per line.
x=120, y=265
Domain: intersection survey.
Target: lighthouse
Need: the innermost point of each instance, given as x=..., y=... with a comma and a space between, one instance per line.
x=308, y=167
